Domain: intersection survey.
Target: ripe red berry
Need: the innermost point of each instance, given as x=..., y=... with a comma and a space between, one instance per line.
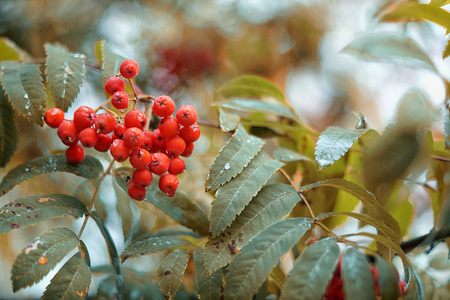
x=133, y=137
x=119, y=130
x=147, y=140
x=68, y=132
x=188, y=150
x=54, y=117
x=136, y=192
x=120, y=100
x=104, y=142
x=163, y=106
x=158, y=142
x=159, y=163
x=129, y=69
x=114, y=84
x=105, y=123
x=186, y=115
x=135, y=118
x=168, y=127
x=140, y=158
x=175, y=146
x=142, y=178
x=168, y=184
x=177, y=166
x=119, y=150
x=88, y=137
x=75, y=154
x=190, y=133
x=84, y=117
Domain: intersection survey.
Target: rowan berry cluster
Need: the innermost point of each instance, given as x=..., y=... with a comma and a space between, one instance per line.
x=128, y=137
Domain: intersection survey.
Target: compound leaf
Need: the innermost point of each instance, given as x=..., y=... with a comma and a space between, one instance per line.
x=110, y=61
x=208, y=287
x=71, y=282
x=171, y=270
x=30, y=210
x=89, y=168
x=65, y=74
x=41, y=256
x=153, y=245
x=251, y=266
x=23, y=85
x=388, y=279
x=8, y=131
x=356, y=276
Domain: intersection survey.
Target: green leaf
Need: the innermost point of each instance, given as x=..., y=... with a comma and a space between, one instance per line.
x=390, y=47
x=23, y=85
x=312, y=271
x=8, y=131
x=110, y=61
x=439, y=3
x=356, y=276
x=89, y=168
x=333, y=143
x=250, y=105
x=270, y=205
x=10, y=51
x=415, y=110
x=41, y=256
x=251, y=266
x=240, y=149
x=99, y=51
x=228, y=121
x=208, y=287
x=248, y=86
x=285, y=154
x=65, y=74
x=446, y=50
x=153, y=245
x=31, y=210
x=113, y=255
x=171, y=270
x=234, y=196
x=71, y=282
x=388, y=279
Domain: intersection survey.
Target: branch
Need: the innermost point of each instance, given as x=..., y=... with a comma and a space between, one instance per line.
x=427, y=239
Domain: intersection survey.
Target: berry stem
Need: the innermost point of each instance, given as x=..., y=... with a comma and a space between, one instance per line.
x=102, y=105
x=110, y=111
x=91, y=203
x=134, y=90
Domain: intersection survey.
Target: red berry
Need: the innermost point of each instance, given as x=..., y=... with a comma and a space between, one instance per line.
x=186, y=115
x=129, y=69
x=168, y=184
x=159, y=163
x=158, y=142
x=135, y=118
x=54, y=117
x=114, y=84
x=119, y=130
x=68, y=132
x=175, y=146
x=84, y=117
x=142, y=178
x=120, y=100
x=133, y=137
x=168, y=127
x=147, y=140
x=190, y=133
x=176, y=166
x=75, y=154
x=188, y=150
x=114, y=137
x=119, y=150
x=163, y=106
x=136, y=192
x=88, y=137
x=105, y=123
x=104, y=142
x=140, y=158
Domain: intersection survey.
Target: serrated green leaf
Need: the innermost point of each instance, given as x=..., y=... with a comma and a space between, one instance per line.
x=113, y=255
x=439, y=3
x=228, y=121
x=270, y=205
x=23, y=85
x=446, y=52
x=65, y=74
x=240, y=149
x=8, y=131
x=153, y=245
x=110, y=61
x=333, y=143
x=250, y=105
x=135, y=287
x=387, y=280
x=285, y=154
x=71, y=282
x=208, y=287
x=251, y=266
x=171, y=271
x=10, y=51
x=41, y=256
x=312, y=271
x=89, y=168
x=248, y=86
x=31, y=210
x=232, y=198
x=390, y=47
x=356, y=276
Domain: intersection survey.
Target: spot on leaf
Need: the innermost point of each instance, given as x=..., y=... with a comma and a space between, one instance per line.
x=42, y=199
x=42, y=260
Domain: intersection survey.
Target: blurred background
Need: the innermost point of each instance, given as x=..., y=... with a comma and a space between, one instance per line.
x=188, y=48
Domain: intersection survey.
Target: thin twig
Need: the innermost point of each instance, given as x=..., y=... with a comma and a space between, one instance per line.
x=440, y=158
x=132, y=87
x=102, y=105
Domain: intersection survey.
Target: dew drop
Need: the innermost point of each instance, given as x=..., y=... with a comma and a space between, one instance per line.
x=227, y=166
x=27, y=104
x=25, y=96
x=122, y=111
x=15, y=226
